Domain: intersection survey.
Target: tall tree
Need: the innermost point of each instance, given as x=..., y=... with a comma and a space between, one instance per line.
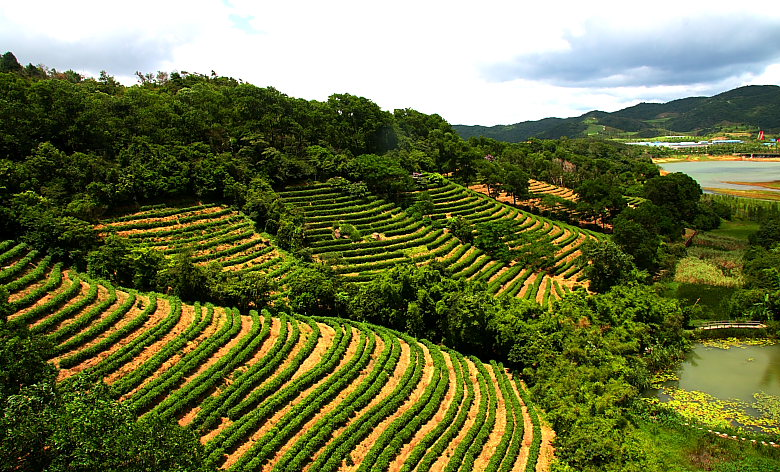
x=678, y=192
x=8, y=63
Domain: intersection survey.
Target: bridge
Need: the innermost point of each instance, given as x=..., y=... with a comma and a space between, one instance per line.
x=731, y=324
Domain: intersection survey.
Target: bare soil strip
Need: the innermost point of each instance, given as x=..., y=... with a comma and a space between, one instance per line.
x=452, y=251
x=163, y=308
x=217, y=322
x=302, y=396
x=364, y=447
x=403, y=455
x=499, y=273
x=102, y=295
x=13, y=297
x=389, y=387
x=546, y=449
x=327, y=336
x=511, y=282
x=546, y=282
x=499, y=428
x=473, y=383
x=330, y=407
x=66, y=282
x=121, y=297
x=528, y=434
x=161, y=229
x=529, y=282
x=253, y=262
x=246, y=328
x=186, y=319
x=161, y=219
x=305, y=331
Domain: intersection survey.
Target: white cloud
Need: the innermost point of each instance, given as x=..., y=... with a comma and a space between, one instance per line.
x=427, y=55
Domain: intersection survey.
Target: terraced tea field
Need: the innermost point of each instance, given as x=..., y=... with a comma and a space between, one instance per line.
x=385, y=236
x=214, y=234
x=389, y=236
x=268, y=392
x=538, y=205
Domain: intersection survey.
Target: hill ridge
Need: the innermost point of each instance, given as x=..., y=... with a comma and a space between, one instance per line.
x=749, y=106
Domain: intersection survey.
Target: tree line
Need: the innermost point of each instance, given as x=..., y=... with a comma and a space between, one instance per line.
x=73, y=149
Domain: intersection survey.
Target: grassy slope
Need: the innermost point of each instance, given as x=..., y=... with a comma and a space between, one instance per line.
x=679, y=449
x=710, y=274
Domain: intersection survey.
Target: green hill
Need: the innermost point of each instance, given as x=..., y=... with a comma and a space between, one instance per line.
x=279, y=392
x=747, y=108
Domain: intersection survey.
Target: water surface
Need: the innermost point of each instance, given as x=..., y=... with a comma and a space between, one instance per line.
x=714, y=174
x=735, y=373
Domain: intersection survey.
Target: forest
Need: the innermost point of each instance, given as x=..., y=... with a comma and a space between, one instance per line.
x=81, y=157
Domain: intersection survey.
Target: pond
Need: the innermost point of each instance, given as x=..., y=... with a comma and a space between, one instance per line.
x=736, y=384
x=715, y=174
x=737, y=372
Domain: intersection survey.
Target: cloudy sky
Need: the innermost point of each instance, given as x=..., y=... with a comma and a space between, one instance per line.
x=487, y=62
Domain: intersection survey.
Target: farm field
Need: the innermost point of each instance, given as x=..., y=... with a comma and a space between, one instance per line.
x=286, y=392
x=213, y=234
x=538, y=203
x=387, y=235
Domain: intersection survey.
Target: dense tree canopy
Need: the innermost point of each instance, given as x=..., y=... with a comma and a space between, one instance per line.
x=79, y=426
x=74, y=148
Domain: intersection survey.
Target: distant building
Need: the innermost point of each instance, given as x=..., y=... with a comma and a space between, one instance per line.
x=686, y=144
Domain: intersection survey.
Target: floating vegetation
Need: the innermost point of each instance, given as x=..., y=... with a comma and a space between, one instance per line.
x=751, y=414
x=728, y=343
x=768, y=405
x=660, y=378
x=761, y=416
x=703, y=408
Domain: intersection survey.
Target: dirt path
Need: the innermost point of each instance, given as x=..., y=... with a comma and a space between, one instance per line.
x=564, y=234
x=457, y=247
x=305, y=331
x=326, y=341
x=216, y=323
x=150, y=232
x=163, y=308
x=121, y=298
x=529, y=282
x=64, y=285
x=24, y=291
x=499, y=428
x=473, y=383
x=510, y=283
x=403, y=455
x=488, y=265
x=546, y=449
x=103, y=294
x=543, y=288
x=528, y=433
x=499, y=273
x=330, y=407
x=387, y=389
x=160, y=219
x=360, y=451
x=246, y=328
x=260, y=259
x=185, y=320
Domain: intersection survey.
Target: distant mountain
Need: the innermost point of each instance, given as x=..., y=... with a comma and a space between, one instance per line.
x=742, y=109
